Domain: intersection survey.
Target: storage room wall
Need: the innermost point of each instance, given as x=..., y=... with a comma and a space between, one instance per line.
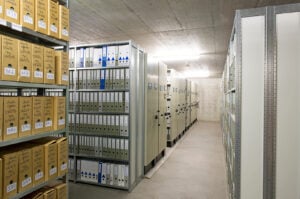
x=209, y=97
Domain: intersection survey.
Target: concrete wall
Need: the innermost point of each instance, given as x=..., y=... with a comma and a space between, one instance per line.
x=209, y=97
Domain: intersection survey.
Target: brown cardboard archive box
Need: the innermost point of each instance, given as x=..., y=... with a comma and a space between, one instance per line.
x=62, y=67
x=25, y=61
x=48, y=113
x=49, y=66
x=37, y=63
x=38, y=115
x=1, y=118
x=25, y=169
x=41, y=16
x=62, y=156
x=59, y=112
x=25, y=116
x=38, y=164
x=9, y=59
x=64, y=23
x=11, y=117
x=12, y=11
x=53, y=18
x=27, y=15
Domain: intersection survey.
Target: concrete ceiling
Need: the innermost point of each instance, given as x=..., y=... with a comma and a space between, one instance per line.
x=163, y=27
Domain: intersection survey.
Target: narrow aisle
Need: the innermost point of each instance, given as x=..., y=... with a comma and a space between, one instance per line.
x=195, y=170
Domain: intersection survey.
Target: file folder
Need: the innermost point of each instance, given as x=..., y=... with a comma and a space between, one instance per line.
x=102, y=79
x=127, y=76
x=116, y=175
x=103, y=173
x=126, y=102
x=97, y=58
x=104, y=56
x=100, y=173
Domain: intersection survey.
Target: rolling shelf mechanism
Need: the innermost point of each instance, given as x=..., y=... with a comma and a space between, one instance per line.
x=33, y=97
x=105, y=117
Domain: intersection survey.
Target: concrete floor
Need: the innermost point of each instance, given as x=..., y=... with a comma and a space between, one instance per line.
x=195, y=170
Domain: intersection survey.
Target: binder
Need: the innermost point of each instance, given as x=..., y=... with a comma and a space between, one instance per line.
x=97, y=58
x=111, y=174
x=121, y=125
x=78, y=169
x=122, y=148
x=108, y=131
x=126, y=175
x=84, y=79
x=103, y=173
x=126, y=102
x=108, y=102
x=121, y=103
x=111, y=56
x=100, y=154
x=104, y=147
x=116, y=175
x=93, y=171
x=100, y=102
x=100, y=126
x=125, y=127
x=80, y=58
x=117, y=151
x=117, y=125
x=122, y=78
x=127, y=76
x=120, y=176
x=97, y=79
x=123, y=55
x=100, y=173
x=107, y=79
x=112, y=102
x=71, y=58
x=104, y=102
x=105, y=128
x=113, y=148
x=96, y=147
x=113, y=125
x=88, y=79
x=80, y=79
x=102, y=79
x=117, y=79
x=104, y=56
x=87, y=57
x=109, y=148
x=89, y=124
x=108, y=171
x=126, y=157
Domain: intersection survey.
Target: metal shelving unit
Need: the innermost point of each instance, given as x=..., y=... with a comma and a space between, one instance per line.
x=22, y=33
x=135, y=67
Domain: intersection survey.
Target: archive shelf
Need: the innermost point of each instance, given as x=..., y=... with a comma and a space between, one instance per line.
x=103, y=185
x=84, y=59
x=21, y=33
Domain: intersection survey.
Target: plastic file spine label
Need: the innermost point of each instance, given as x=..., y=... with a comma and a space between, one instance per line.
x=102, y=79
x=104, y=56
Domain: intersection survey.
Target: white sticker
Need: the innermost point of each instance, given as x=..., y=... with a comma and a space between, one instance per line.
x=63, y=167
x=9, y=71
x=26, y=182
x=53, y=28
x=28, y=19
x=3, y=22
x=64, y=77
x=11, y=187
x=50, y=76
x=16, y=27
x=11, y=13
x=41, y=24
x=11, y=130
x=25, y=73
x=38, y=175
x=38, y=74
x=48, y=123
x=53, y=171
x=38, y=125
x=61, y=122
x=65, y=32
x=25, y=127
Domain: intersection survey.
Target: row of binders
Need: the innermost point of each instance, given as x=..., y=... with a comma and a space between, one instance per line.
x=112, y=125
x=101, y=172
x=106, y=102
x=102, y=147
x=105, y=56
x=100, y=79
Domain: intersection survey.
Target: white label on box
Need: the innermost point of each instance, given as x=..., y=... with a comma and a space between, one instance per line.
x=41, y=24
x=3, y=22
x=11, y=187
x=26, y=182
x=28, y=19
x=25, y=73
x=48, y=123
x=38, y=74
x=11, y=13
x=25, y=127
x=61, y=122
x=38, y=125
x=11, y=130
x=38, y=175
x=53, y=28
x=63, y=167
x=64, y=77
x=16, y=27
x=50, y=76
x=9, y=71
x=53, y=171
x=65, y=32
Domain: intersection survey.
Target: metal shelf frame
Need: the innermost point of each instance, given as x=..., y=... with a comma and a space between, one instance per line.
x=136, y=100
x=102, y=185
